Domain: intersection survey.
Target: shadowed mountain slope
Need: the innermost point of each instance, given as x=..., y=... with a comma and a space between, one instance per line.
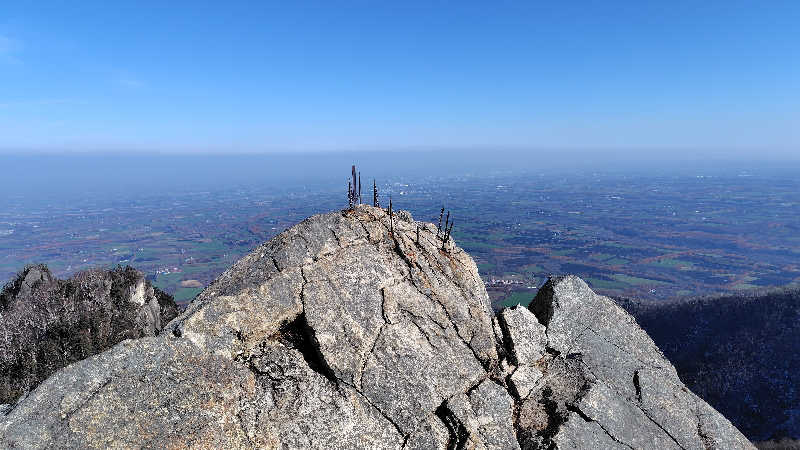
x=738, y=352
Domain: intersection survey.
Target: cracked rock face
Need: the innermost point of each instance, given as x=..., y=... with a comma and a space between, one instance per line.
x=602, y=382
x=340, y=333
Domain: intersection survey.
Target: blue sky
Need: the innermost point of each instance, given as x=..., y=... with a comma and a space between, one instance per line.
x=705, y=76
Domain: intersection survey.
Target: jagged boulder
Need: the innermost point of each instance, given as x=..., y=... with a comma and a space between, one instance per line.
x=348, y=331
x=601, y=381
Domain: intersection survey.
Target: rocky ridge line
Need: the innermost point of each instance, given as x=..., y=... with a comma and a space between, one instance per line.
x=340, y=333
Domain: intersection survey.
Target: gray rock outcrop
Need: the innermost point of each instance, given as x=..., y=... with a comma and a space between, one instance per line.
x=339, y=333
x=602, y=382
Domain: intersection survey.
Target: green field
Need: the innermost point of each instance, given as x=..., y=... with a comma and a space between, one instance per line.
x=183, y=295
x=675, y=263
x=518, y=298
x=617, y=261
x=533, y=268
x=636, y=281
x=484, y=268
x=597, y=283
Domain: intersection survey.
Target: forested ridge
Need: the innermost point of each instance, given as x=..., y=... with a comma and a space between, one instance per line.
x=738, y=352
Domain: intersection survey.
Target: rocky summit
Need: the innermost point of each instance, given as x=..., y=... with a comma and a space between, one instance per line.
x=355, y=329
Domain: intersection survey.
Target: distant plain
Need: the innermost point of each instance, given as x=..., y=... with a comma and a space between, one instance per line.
x=646, y=232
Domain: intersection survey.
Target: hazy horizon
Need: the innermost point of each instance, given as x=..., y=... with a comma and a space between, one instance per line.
x=42, y=176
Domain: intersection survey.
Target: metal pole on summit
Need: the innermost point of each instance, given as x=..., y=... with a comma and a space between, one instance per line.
x=350, y=194
x=391, y=216
x=375, y=202
x=355, y=183
x=354, y=189
x=439, y=227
